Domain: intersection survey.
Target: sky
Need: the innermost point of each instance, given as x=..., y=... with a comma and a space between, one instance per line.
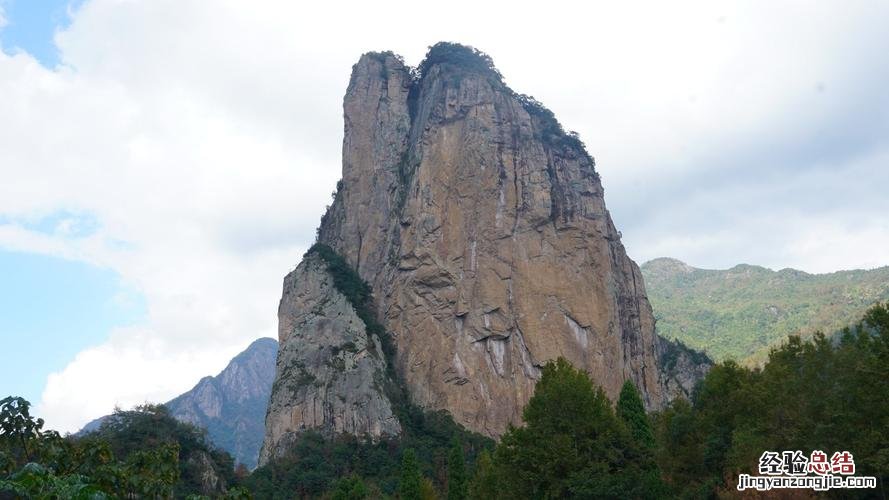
x=165, y=163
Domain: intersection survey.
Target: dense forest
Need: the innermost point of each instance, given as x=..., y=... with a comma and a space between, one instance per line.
x=824, y=393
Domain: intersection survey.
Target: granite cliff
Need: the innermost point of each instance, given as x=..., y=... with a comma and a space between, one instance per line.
x=480, y=227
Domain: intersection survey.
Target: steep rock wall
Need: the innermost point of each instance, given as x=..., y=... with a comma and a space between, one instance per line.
x=329, y=373
x=483, y=231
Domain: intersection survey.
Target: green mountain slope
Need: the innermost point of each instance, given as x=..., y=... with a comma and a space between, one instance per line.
x=741, y=312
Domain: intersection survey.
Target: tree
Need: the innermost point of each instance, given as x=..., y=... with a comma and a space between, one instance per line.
x=427, y=489
x=409, y=486
x=817, y=394
x=572, y=444
x=37, y=463
x=199, y=466
x=457, y=487
x=484, y=482
x=349, y=488
x=631, y=410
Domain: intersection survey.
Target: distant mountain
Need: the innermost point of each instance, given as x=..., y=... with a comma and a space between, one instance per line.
x=742, y=312
x=231, y=405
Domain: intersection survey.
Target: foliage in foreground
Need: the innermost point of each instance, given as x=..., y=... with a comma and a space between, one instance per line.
x=821, y=394
x=573, y=444
x=143, y=453
x=817, y=394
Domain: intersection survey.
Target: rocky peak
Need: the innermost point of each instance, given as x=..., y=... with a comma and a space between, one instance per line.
x=232, y=405
x=480, y=226
x=667, y=266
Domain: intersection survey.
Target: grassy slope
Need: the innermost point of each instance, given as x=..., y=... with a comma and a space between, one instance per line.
x=741, y=312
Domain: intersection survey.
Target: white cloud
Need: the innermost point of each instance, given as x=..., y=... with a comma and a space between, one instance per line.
x=204, y=140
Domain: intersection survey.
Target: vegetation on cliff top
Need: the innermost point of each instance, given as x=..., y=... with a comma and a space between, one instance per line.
x=463, y=56
x=742, y=312
x=547, y=127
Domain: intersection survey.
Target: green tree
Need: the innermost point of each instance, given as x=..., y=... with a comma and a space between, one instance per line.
x=133, y=435
x=631, y=410
x=484, y=483
x=817, y=394
x=409, y=485
x=427, y=489
x=457, y=484
x=572, y=444
x=37, y=463
x=349, y=488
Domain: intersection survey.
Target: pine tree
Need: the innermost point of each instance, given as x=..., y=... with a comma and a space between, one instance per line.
x=631, y=410
x=484, y=482
x=349, y=488
x=572, y=444
x=456, y=472
x=409, y=486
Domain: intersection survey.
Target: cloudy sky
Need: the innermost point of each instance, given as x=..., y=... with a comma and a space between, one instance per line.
x=164, y=163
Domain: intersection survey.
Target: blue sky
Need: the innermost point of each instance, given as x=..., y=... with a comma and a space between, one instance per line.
x=31, y=25
x=51, y=308
x=165, y=162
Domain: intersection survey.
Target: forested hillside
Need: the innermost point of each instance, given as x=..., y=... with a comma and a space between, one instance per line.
x=739, y=313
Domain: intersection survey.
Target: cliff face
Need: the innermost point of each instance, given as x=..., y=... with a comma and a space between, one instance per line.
x=482, y=229
x=681, y=368
x=329, y=372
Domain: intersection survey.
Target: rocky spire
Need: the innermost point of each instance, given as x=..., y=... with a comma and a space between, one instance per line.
x=481, y=227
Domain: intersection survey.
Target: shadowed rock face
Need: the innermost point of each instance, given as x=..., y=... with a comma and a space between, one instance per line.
x=482, y=229
x=681, y=368
x=329, y=372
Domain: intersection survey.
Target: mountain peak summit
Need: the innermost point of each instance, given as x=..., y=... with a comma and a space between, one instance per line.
x=480, y=230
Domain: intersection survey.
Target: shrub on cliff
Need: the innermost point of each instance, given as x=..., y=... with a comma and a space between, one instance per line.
x=463, y=56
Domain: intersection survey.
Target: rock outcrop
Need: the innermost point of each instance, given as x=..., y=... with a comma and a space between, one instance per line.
x=330, y=372
x=481, y=228
x=681, y=368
